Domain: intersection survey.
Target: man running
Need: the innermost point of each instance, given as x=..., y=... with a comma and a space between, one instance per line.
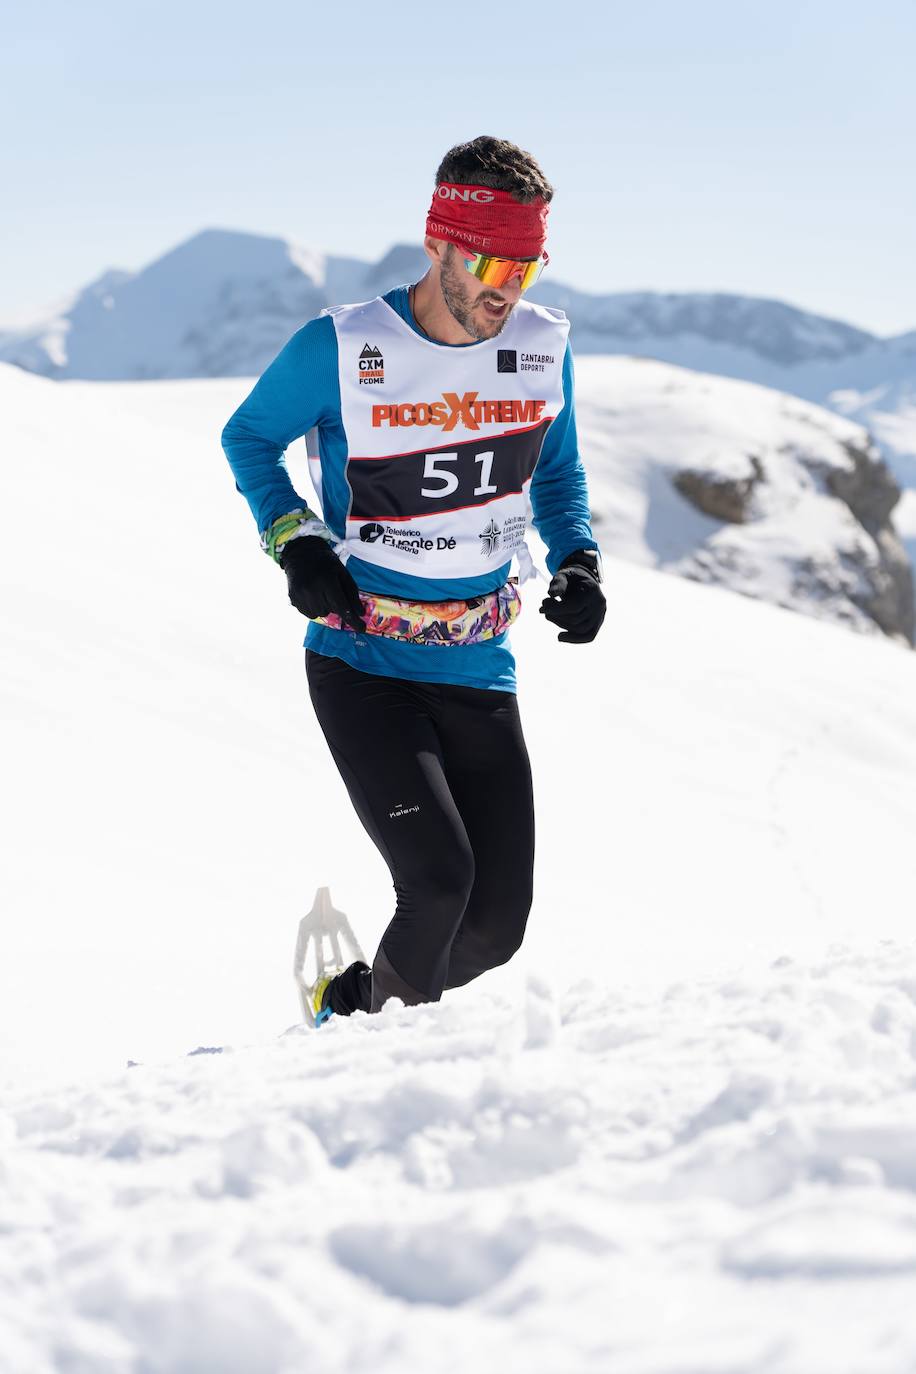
x=436, y=416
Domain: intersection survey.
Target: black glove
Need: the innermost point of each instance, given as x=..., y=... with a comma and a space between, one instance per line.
x=574, y=599
x=318, y=581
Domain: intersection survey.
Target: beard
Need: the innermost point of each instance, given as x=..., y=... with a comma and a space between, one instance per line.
x=461, y=302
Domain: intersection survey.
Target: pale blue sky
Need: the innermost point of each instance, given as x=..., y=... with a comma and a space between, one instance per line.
x=694, y=144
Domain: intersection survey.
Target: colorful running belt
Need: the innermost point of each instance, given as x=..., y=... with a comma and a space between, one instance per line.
x=436, y=622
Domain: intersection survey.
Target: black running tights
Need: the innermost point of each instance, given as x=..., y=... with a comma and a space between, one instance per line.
x=440, y=778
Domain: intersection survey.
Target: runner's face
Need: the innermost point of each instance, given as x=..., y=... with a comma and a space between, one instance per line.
x=481, y=310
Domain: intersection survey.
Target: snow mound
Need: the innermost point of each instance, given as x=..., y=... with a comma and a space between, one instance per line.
x=711, y=1177
x=733, y=483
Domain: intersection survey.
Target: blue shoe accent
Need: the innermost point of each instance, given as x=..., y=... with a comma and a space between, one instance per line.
x=323, y=1016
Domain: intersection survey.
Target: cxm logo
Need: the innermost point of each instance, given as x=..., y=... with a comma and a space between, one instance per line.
x=506, y=360
x=369, y=533
x=371, y=366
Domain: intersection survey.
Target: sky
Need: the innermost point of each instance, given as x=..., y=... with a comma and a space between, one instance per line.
x=703, y=147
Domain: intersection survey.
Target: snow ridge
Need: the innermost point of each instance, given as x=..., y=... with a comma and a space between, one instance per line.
x=708, y=1177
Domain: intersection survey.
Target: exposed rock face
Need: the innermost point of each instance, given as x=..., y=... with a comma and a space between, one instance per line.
x=867, y=487
x=870, y=492
x=892, y=601
x=720, y=496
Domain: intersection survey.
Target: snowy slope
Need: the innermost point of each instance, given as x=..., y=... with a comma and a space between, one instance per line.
x=873, y=384
x=650, y=431
x=868, y=379
x=163, y=753
x=673, y=1136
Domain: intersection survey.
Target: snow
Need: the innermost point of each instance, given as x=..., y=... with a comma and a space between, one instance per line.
x=673, y=1136
x=716, y=1177
x=905, y=523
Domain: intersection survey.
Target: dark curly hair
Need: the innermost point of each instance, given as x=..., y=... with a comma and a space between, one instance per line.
x=493, y=162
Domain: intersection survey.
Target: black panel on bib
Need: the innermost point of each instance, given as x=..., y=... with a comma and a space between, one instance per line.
x=451, y=477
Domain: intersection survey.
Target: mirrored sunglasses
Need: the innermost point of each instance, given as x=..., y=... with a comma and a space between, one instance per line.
x=497, y=271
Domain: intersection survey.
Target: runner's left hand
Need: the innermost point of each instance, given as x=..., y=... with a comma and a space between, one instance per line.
x=574, y=599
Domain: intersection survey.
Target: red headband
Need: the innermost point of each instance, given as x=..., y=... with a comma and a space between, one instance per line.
x=487, y=221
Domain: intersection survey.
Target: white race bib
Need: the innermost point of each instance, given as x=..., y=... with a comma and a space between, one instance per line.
x=443, y=442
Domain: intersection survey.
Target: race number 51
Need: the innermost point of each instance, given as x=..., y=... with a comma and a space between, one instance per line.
x=449, y=479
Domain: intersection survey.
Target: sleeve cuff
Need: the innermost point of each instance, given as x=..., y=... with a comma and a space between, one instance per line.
x=294, y=525
x=558, y=552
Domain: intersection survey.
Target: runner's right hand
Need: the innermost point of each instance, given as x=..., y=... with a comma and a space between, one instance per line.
x=318, y=581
